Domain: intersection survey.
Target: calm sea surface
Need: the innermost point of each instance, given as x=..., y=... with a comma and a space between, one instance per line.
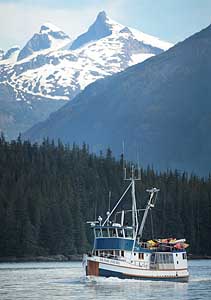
x=49, y=281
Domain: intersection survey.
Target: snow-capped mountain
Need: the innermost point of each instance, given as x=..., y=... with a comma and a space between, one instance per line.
x=104, y=26
x=52, y=67
x=49, y=37
x=106, y=48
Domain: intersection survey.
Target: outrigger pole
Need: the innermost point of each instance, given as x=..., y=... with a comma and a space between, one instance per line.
x=151, y=203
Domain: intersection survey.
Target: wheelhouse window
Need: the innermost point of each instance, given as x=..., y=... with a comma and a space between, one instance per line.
x=105, y=232
x=98, y=232
x=122, y=253
x=113, y=232
x=128, y=232
x=120, y=232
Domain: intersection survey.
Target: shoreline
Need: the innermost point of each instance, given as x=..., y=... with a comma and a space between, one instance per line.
x=195, y=256
x=65, y=258
x=49, y=258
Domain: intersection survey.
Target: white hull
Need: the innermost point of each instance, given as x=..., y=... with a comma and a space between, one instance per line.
x=100, y=266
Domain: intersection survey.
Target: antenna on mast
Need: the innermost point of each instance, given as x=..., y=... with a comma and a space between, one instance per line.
x=139, y=169
x=123, y=149
x=123, y=163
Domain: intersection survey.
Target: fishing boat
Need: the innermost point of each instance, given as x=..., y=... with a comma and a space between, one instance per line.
x=119, y=250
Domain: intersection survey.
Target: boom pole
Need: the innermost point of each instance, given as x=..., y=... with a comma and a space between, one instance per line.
x=151, y=203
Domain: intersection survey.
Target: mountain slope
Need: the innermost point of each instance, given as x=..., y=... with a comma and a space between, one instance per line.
x=17, y=116
x=161, y=105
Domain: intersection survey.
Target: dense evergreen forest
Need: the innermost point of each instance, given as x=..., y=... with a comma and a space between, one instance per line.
x=49, y=191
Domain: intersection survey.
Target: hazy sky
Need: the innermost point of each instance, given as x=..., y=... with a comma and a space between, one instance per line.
x=170, y=20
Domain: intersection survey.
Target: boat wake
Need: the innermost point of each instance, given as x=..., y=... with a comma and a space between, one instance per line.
x=103, y=280
x=75, y=281
x=200, y=279
x=86, y=280
x=115, y=281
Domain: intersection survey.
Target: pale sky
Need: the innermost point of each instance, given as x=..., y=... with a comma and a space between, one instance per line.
x=170, y=20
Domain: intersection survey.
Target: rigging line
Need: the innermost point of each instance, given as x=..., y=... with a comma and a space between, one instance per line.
x=118, y=203
x=109, y=201
x=152, y=224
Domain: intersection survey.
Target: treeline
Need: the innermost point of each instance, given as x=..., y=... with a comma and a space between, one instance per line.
x=49, y=191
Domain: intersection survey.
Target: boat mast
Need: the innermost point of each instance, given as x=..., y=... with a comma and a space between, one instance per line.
x=132, y=180
x=134, y=209
x=135, y=223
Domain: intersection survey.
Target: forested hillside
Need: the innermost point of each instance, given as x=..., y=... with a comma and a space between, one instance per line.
x=49, y=191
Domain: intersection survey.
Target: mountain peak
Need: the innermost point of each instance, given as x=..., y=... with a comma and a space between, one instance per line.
x=125, y=30
x=49, y=37
x=48, y=27
x=12, y=52
x=103, y=26
x=102, y=16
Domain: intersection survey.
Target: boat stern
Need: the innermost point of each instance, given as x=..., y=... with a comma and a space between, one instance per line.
x=91, y=266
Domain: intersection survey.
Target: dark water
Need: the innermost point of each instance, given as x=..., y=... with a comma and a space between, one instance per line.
x=49, y=281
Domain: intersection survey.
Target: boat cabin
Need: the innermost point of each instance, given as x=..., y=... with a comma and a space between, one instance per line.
x=118, y=243
x=116, y=230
